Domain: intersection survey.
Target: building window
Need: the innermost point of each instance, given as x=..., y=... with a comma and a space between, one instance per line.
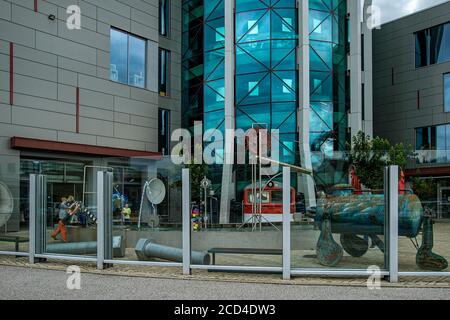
x=128, y=59
x=447, y=92
x=164, y=17
x=433, y=45
x=164, y=72
x=164, y=131
x=432, y=144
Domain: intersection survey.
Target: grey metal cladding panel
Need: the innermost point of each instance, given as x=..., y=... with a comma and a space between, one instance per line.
x=5, y=10
x=117, y=7
x=113, y=19
x=65, y=48
x=12, y=32
x=42, y=119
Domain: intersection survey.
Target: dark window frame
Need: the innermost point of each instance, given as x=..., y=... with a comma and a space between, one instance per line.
x=446, y=94
x=167, y=16
x=164, y=151
x=166, y=92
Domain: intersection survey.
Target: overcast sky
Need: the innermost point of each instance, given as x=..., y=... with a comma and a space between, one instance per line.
x=394, y=9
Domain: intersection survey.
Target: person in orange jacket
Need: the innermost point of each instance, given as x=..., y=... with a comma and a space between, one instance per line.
x=65, y=213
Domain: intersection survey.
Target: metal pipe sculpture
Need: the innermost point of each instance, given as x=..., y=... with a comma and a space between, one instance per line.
x=146, y=249
x=86, y=248
x=353, y=216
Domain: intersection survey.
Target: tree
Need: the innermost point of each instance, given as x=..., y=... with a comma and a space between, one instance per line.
x=370, y=157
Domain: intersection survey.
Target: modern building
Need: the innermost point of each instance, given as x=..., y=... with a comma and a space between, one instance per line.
x=75, y=98
x=412, y=94
x=280, y=64
x=107, y=93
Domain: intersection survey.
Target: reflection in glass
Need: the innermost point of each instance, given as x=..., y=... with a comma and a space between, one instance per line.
x=128, y=59
x=119, y=56
x=136, y=67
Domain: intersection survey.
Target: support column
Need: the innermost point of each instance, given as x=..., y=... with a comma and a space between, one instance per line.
x=305, y=182
x=391, y=216
x=104, y=219
x=355, y=66
x=230, y=65
x=186, y=218
x=286, y=223
x=368, y=69
x=38, y=204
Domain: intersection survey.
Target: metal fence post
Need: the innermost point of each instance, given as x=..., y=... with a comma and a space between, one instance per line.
x=391, y=194
x=37, y=221
x=104, y=219
x=286, y=223
x=186, y=212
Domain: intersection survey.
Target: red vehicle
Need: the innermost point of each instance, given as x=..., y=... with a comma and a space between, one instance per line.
x=272, y=202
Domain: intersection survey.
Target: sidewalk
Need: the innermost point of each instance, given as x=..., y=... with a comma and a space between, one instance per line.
x=176, y=274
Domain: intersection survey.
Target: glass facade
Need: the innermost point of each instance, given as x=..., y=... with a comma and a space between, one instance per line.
x=266, y=38
x=329, y=89
x=128, y=59
x=266, y=70
x=433, y=45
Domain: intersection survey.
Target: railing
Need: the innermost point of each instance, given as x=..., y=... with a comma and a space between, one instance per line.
x=187, y=258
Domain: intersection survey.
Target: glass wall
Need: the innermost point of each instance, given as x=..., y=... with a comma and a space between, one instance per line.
x=329, y=90
x=254, y=236
x=147, y=211
x=426, y=247
x=14, y=216
x=346, y=230
x=192, y=63
x=266, y=70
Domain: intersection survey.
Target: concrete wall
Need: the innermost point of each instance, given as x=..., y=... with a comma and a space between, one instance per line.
x=51, y=61
x=396, y=112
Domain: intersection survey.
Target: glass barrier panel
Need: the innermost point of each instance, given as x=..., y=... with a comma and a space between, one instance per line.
x=243, y=229
x=337, y=225
x=146, y=210
x=70, y=218
x=14, y=208
x=427, y=247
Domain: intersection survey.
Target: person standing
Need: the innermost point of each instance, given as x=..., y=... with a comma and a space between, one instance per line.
x=67, y=209
x=63, y=213
x=126, y=214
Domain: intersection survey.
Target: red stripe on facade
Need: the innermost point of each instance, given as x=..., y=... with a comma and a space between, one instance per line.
x=35, y=5
x=78, y=110
x=11, y=73
x=20, y=143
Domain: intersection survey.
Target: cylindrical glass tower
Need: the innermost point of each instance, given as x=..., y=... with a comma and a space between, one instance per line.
x=266, y=73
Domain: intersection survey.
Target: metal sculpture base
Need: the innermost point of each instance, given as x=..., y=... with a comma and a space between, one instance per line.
x=426, y=259
x=329, y=252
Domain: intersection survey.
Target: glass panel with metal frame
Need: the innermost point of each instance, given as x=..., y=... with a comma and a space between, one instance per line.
x=146, y=212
